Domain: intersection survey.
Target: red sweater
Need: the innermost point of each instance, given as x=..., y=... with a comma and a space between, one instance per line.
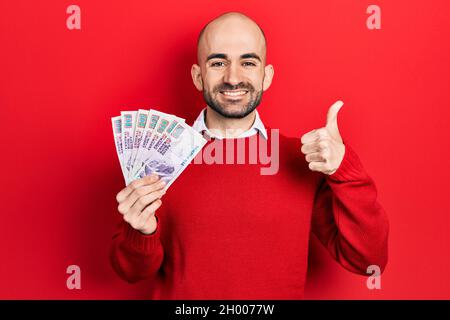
x=227, y=232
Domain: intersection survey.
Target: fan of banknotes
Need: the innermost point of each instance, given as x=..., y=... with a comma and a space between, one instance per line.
x=151, y=141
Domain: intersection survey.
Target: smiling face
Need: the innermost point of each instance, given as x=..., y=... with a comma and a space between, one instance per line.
x=231, y=68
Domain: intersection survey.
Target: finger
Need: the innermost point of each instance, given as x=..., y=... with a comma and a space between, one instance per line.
x=315, y=135
x=310, y=136
x=318, y=166
x=150, y=210
x=140, y=222
x=332, y=114
x=316, y=156
x=144, y=201
x=138, y=193
x=151, y=223
x=124, y=193
x=323, y=143
x=332, y=124
x=310, y=147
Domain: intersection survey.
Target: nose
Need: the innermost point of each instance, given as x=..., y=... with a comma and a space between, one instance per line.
x=232, y=75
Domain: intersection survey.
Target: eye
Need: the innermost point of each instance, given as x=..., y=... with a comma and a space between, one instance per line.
x=217, y=64
x=248, y=63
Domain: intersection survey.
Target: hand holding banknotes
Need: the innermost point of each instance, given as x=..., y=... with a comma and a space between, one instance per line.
x=139, y=201
x=324, y=148
x=153, y=148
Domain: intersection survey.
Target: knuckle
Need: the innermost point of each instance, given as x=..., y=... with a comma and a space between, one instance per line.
x=132, y=222
x=303, y=138
x=322, y=132
x=139, y=225
x=151, y=213
x=152, y=187
x=134, y=185
x=150, y=178
x=146, y=211
x=142, y=201
x=155, y=205
x=121, y=209
x=147, y=178
x=140, y=192
x=323, y=144
x=133, y=225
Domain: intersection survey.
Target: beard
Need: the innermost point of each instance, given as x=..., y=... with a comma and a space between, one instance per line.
x=211, y=100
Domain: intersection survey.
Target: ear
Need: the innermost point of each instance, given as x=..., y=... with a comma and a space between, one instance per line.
x=268, y=76
x=196, y=74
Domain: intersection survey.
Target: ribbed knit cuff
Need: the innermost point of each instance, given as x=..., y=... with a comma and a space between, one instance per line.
x=351, y=168
x=141, y=241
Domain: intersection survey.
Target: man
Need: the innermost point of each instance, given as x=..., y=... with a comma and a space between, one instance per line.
x=226, y=231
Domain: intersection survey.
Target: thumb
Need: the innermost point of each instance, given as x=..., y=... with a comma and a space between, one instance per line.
x=332, y=125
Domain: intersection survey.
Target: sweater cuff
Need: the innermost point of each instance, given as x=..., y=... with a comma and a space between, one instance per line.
x=350, y=169
x=140, y=241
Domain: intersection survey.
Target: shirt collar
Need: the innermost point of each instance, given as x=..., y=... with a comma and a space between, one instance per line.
x=258, y=126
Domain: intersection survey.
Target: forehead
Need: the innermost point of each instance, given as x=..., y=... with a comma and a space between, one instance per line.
x=232, y=38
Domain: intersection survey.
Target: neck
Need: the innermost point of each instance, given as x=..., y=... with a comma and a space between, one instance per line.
x=228, y=127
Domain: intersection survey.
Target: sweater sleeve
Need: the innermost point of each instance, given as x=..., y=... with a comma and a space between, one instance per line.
x=347, y=218
x=135, y=256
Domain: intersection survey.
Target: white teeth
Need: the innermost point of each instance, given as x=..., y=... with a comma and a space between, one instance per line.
x=234, y=94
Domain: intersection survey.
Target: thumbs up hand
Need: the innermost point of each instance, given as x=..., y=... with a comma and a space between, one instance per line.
x=324, y=148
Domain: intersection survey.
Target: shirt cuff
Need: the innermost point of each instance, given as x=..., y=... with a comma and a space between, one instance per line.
x=350, y=169
x=140, y=241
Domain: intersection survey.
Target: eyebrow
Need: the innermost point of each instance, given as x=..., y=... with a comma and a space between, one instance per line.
x=216, y=56
x=250, y=56
x=224, y=56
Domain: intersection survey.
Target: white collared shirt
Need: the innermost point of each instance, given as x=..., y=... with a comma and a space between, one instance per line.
x=200, y=126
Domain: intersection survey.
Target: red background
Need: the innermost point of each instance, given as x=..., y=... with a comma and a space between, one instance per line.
x=59, y=88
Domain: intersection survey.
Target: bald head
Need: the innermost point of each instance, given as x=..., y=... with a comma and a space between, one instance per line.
x=231, y=70
x=230, y=30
